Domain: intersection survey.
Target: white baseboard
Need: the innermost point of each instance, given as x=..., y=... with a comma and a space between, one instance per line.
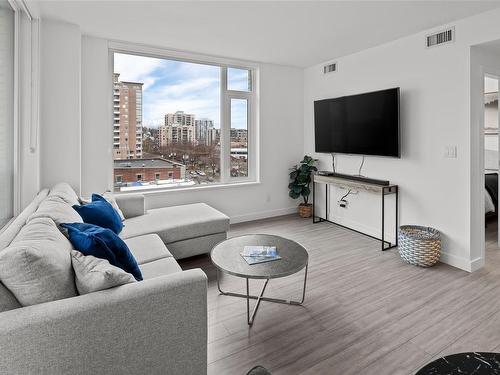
x=476, y=264
x=263, y=214
x=461, y=262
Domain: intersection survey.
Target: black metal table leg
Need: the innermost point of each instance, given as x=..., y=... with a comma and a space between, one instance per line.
x=383, y=218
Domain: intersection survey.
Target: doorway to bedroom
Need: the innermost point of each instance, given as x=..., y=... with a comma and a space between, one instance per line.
x=491, y=161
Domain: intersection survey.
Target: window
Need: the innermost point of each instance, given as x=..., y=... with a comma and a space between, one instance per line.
x=193, y=118
x=139, y=177
x=7, y=32
x=239, y=139
x=239, y=79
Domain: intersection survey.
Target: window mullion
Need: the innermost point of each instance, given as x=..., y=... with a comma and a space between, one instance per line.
x=225, y=126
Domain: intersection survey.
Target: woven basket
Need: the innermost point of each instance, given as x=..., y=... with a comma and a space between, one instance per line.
x=418, y=245
x=305, y=210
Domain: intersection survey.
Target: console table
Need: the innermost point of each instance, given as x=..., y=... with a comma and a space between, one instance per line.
x=383, y=190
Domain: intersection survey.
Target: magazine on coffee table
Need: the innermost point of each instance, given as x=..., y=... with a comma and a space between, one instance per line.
x=259, y=254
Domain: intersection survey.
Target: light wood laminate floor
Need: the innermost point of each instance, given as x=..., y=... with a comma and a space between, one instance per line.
x=366, y=312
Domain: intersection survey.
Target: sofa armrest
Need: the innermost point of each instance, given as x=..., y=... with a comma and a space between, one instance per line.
x=156, y=326
x=131, y=205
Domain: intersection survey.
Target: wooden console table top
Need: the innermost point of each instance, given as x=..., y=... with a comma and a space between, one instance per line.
x=343, y=182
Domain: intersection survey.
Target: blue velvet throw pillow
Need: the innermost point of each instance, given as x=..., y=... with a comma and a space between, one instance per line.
x=103, y=243
x=100, y=212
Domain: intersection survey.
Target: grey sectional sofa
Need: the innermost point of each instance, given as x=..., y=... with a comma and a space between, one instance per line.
x=156, y=326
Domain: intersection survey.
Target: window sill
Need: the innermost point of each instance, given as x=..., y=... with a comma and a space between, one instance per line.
x=192, y=188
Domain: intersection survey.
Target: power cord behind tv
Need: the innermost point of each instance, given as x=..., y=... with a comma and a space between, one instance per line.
x=361, y=166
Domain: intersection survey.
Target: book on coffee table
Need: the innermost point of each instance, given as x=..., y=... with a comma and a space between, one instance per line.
x=259, y=254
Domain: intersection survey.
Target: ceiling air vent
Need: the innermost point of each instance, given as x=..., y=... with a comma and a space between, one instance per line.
x=330, y=68
x=442, y=37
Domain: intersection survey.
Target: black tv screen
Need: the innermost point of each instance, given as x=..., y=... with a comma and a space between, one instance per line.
x=364, y=124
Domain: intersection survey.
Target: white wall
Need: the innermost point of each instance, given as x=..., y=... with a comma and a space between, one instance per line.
x=96, y=137
x=60, y=62
x=29, y=145
x=281, y=143
x=435, y=100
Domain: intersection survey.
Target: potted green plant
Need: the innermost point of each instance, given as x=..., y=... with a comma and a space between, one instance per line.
x=300, y=181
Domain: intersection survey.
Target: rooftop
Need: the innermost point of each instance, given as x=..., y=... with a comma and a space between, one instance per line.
x=145, y=163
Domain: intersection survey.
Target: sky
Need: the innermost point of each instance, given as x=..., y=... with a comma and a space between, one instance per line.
x=171, y=86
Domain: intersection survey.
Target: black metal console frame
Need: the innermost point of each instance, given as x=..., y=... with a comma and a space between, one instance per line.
x=385, y=190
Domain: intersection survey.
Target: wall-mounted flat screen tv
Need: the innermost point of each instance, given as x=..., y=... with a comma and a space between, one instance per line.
x=363, y=124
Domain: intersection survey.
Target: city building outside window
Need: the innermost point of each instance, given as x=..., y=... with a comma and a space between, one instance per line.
x=193, y=122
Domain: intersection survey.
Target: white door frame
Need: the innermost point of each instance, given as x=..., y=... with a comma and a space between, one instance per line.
x=487, y=72
x=477, y=214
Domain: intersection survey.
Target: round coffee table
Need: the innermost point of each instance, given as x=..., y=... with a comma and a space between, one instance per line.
x=227, y=259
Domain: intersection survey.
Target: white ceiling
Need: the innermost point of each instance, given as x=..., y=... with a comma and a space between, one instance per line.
x=299, y=33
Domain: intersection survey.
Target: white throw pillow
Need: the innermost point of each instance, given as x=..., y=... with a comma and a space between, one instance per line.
x=93, y=274
x=36, y=267
x=109, y=196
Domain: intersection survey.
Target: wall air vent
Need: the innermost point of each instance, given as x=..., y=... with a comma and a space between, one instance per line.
x=442, y=37
x=330, y=68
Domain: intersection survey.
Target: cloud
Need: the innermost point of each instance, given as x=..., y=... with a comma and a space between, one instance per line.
x=171, y=86
x=136, y=68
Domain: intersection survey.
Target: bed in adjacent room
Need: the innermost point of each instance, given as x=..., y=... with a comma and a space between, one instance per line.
x=491, y=193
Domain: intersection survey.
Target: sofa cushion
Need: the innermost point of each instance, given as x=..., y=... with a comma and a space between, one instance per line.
x=131, y=205
x=103, y=243
x=147, y=248
x=195, y=246
x=100, y=212
x=15, y=226
x=64, y=191
x=36, y=267
x=93, y=274
x=110, y=197
x=55, y=208
x=159, y=267
x=178, y=222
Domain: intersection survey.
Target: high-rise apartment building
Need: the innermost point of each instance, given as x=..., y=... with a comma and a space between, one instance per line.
x=204, y=133
x=179, y=118
x=176, y=133
x=127, y=112
x=179, y=127
x=213, y=136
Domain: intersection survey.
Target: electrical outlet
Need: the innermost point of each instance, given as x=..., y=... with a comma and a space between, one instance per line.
x=450, y=152
x=343, y=203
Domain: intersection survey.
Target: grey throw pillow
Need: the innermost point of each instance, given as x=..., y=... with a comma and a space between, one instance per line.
x=93, y=274
x=55, y=208
x=64, y=191
x=36, y=267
